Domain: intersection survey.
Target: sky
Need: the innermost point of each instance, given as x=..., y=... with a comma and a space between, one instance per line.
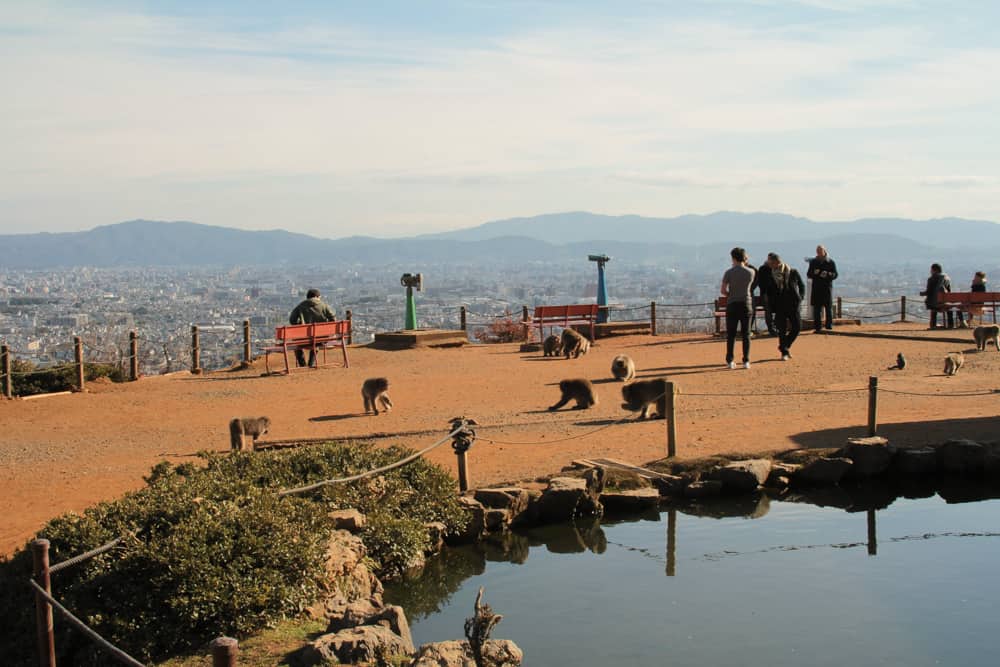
x=390, y=119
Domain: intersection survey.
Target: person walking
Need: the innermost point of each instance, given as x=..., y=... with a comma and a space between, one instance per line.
x=310, y=311
x=763, y=282
x=822, y=271
x=937, y=284
x=786, y=297
x=735, y=287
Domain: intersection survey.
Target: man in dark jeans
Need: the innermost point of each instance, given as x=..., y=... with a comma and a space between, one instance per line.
x=764, y=283
x=822, y=271
x=308, y=312
x=735, y=287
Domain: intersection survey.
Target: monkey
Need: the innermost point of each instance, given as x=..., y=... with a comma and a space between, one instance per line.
x=580, y=390
x=242, y=427
x=953, y=362
x=640, y=396
x=552, y=346
x=623, y=368
x=374, y=391
x=900, y=363
x=985, y=334
x=575, y=343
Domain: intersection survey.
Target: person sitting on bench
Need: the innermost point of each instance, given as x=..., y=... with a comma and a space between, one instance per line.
x=310, y=311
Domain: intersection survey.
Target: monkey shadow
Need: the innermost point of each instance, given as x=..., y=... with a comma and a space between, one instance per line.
x=607, y=381
x=537, y=358
x=607, y=422
x=232, y=378
x=907, y=434
x=335, y=418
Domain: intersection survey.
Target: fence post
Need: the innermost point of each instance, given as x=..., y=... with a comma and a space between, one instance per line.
x=8, y=381
x=902, y=308
x=43, y=610
x=78, y=355
x=246, y=344
x=872, y=405
x=224, y=651
x=462, y=319
x=133, y=356
x=671, y=421
x=840, y=307
x=350, y=326
x=195, y=351
x=671, y=542
x=526, y=324
x=652, y=317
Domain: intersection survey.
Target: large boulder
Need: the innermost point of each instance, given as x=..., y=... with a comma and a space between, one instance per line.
x=567, y=497
x=822, y=472
x=915, y=461
x=869, y=456
x=630, y=500
x=511, y=498
x=367, y=643
x=962, y=457
x=781, y=475
x=350, y=520
x=476, y=524
x=707, y=488
x=346, y=578
x=498, y=653
x=741, y=476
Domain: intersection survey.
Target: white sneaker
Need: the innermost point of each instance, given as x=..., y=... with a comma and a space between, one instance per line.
x=732, y=365
x=785, y=357
x=746, y=365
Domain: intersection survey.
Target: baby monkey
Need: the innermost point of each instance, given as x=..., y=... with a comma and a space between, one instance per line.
x=642, y=394
x=242, y=427
x=623, y=368
x=580, y=390
x=552, y=346
x=953, y=362
x=375, y=391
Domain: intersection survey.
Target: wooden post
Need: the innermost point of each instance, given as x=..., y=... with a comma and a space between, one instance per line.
x=671, y=422
x=43, y=610
x=652, y=317
x=463, y=471
x=133, y=356
x=671, y=542
x=224, y=652
x=902, y=308
x=8, y=380
x=78, y=355
x=872, y=537
x=247, y=354
x=195, y=351
x=350, y=326
x=872, y=405
x=840, y=307
x=463, y=319
x=526, y=323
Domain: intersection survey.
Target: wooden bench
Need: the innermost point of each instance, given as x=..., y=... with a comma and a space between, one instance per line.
x=565, y=316
x=969, y=302
x=720, y=311
x=311, y=337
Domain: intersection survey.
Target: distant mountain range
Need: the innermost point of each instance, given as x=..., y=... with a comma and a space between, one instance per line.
x=683, y=241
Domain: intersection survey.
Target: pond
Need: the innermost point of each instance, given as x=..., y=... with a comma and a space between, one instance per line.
x=762, y=581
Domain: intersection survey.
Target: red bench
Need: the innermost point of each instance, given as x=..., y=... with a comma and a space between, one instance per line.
x=311, y=337
x=565, y=316
x=969, y=302
x=720, y=311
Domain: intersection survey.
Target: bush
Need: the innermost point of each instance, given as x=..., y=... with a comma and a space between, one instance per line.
x=215, y=550
x=30, y=380
x=503, y=330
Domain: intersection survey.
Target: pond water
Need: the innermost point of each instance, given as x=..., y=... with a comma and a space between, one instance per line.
x=763, y=581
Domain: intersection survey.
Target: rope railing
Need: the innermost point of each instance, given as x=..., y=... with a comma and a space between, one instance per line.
x=86, y=555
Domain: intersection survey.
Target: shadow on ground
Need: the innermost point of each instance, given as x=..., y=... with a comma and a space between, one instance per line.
x=906, y=434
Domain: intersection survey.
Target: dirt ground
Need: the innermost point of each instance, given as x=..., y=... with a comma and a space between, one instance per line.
x=66, y=452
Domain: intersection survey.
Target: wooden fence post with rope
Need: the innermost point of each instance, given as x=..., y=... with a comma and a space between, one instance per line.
x=463, y=319
x=5, y=366
x=671, y=418
x=43, y=610
x=247, y=354
x=652, y=317
x=195, y=351
x=872, y=405
x=133, y=356
x=902, y=308
x=78, y=356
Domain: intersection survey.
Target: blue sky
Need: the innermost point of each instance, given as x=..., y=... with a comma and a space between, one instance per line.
x=395, y=118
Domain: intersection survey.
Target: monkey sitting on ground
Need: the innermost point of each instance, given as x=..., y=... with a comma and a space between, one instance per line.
x=953, y=362
x=575, y=343
x=900, y=363
x=623, y=368
x=580, y=390
x=552, y=346
x=642, y=394
x=985, y=334
x=374, y=391
x=240, y=428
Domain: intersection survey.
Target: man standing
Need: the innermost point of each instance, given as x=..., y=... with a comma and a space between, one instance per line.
x=735, y=287
x=786, y=296
x=765, y=283
x=822, y=271
x=308, y=312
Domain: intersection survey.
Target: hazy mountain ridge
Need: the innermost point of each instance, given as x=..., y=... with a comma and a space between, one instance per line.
x=680, y=241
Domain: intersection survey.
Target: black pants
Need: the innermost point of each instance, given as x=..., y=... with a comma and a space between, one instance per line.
x=828, y=309
x=737, y=313
x=788, y=324
x=949, y=317
x=300, y=358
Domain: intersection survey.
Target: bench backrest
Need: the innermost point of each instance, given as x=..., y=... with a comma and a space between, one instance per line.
x=963, y=298
x=586, y=311
x=318, y=330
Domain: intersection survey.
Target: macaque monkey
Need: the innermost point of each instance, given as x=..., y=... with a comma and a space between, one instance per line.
x=900, y=363
x=642, y=394
x=984, y=335
x=623, y=368
x=580, y=390
x=552, y=346
x=953, y=362
x=374, y=391
x=240, y=428
x=575, y=343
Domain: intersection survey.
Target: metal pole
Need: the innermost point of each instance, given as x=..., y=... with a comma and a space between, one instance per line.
x=8, y=381
x=43, y=610
x=902, y=308
x=602, y=294
x=224, y=652
x=462, y=318
x=195, y=351
x=350, y=327
x=671, y=422
x=411, y=310
x=652, y=317
x=78, y=354
x=246, y=343
x=133, y=356
x=872, y=405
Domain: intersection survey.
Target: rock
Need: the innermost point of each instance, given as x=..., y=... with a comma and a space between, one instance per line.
x=350, y=520
x=476, y=525
x=869, y=456
x=781, y=475
x=567, y=497
x=498, y=652
x=631, y=500
x=963, y=457
x=512, y=498
x=367, y=643
x=703, y=489
x=346, y=577
x=741, y=476
x=354, y=614
x=821, y=472
x=497, y=520
x=915, y=461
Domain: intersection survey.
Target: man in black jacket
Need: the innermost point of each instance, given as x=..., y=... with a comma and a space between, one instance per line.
x=822, y=271
x=765, y=284
x=308, y=312
x=787, y=291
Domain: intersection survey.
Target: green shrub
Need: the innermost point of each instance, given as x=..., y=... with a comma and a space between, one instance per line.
x=30, y=380
x=215, y=550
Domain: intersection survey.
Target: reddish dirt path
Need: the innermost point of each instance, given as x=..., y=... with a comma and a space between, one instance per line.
x=64, y=453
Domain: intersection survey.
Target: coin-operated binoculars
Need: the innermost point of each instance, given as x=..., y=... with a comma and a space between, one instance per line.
x=602, y=288
x=409, y=281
